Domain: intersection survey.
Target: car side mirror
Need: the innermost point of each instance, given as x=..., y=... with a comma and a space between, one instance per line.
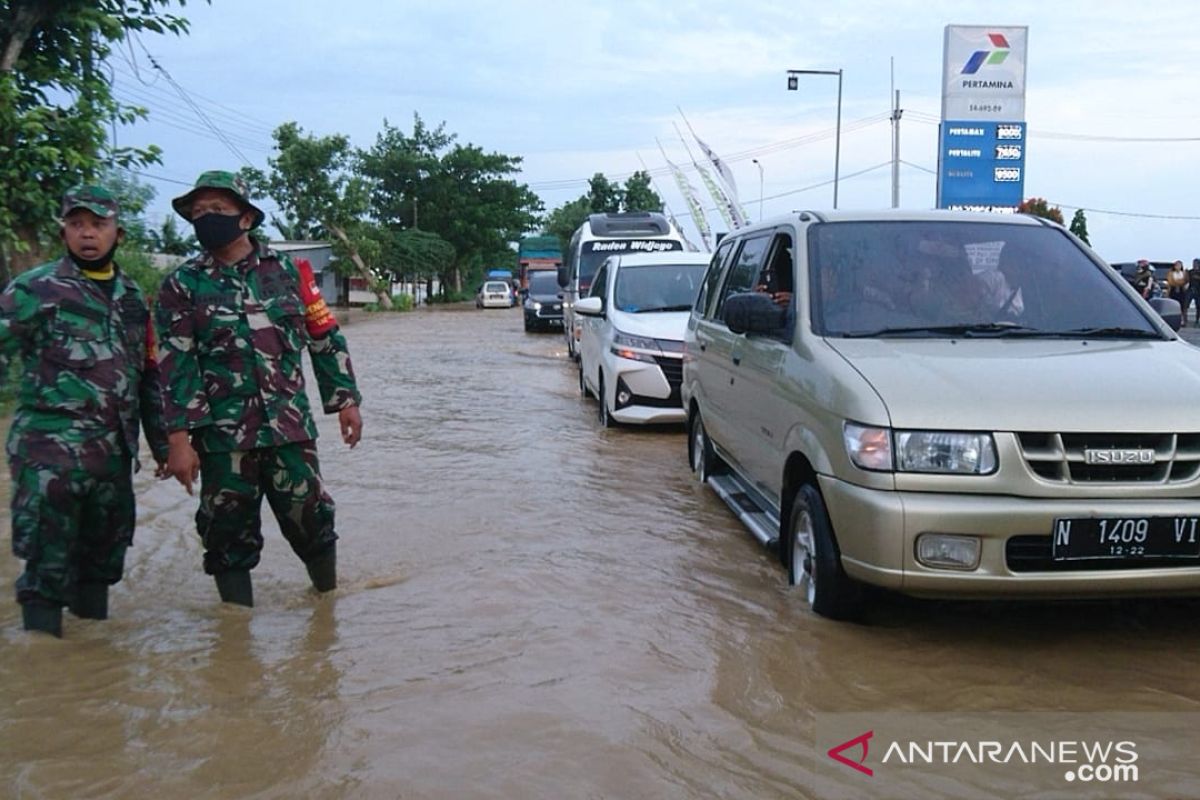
x=562, y=277
x=753, y=312
x=590, y=307
x=1169, y=310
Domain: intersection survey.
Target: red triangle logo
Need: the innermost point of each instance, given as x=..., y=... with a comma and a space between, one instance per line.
x=863, y=739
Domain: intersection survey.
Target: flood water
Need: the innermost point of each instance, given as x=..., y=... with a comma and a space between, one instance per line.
x=530, y=607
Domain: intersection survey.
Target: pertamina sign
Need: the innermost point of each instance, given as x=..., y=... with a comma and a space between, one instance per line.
x=983, y=73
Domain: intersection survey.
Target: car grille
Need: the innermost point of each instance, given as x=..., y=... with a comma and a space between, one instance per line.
x=672, y=369
x=1035, y=554
x=1059, y=457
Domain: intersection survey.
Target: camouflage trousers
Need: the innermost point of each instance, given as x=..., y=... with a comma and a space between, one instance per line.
x=70, y=526
x=232, y=485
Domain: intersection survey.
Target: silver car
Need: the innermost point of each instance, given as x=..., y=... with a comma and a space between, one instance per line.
x=945, y=404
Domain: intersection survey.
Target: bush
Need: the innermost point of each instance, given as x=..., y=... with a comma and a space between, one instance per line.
x=137, y=265
x=400, y=302
x=451, y=297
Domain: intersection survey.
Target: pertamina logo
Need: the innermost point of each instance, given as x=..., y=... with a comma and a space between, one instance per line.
x=989, y=57
x=862, y=740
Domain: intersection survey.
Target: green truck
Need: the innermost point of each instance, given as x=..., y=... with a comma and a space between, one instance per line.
x=534, y=253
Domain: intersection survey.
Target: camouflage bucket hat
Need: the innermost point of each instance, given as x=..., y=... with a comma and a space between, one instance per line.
x=96, y=199
x=218, y=179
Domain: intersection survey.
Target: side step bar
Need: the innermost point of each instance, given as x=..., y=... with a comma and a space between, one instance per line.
x=764, y=526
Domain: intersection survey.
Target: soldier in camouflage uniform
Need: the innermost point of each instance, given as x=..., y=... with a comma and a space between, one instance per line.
x=234, y=323
x=82, y=329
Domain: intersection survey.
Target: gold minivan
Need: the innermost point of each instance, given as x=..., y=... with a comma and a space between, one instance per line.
x=945, y=404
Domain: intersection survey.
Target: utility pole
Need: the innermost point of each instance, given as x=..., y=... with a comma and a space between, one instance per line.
x=896, y=112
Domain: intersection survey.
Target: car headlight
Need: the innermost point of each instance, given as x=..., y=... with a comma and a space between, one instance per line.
x=537, y=306
x=944, y=452
x=634, y=347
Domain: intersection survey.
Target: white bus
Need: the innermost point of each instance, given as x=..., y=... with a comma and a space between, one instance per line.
x=601, y=236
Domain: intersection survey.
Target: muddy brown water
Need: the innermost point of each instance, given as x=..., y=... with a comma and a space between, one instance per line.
x=530, y=607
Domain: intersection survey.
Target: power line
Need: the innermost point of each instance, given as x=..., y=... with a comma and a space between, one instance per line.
x=196, y=108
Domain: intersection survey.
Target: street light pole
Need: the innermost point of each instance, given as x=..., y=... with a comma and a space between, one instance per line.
x=760, y=187
x=793, y=84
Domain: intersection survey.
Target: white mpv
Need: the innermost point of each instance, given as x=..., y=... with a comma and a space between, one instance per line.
x=631, y=337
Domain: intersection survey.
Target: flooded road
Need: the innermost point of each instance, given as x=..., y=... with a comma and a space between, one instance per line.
x=530, y=607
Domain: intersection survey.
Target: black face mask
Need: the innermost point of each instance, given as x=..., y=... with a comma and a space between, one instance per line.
x=214, y=231
x=93, y=264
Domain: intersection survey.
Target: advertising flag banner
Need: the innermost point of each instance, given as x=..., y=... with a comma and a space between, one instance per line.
x=738, y=216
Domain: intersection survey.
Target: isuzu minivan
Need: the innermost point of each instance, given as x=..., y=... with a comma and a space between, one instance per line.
x=945, y=404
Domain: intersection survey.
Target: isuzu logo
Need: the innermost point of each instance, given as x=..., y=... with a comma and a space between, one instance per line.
x=1119, y=456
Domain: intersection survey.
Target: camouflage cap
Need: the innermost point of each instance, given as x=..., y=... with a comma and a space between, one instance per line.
x=218, y=179
x=96, y=199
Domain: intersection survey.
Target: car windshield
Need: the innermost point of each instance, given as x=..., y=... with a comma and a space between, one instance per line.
x=657, y=287
x=544, y=282
x=495, y=286
x=944, y=278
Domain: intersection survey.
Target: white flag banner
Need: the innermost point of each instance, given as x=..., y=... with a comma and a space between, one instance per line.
x=724, y=206
x=697, y=211
x=735, y=206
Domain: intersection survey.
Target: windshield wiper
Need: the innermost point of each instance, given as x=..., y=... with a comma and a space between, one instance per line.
x=687, y=307
x=1111, y=333
x=988, y=330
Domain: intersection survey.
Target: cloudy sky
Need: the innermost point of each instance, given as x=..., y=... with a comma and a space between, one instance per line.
x=575, y=88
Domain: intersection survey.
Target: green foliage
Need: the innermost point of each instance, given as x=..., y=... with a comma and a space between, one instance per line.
x=563, y=221
x=134, y=197
x=639, y=194
x=1079, y=225
x=460, y=192
x=136, y=264
x=603, y=195
x=1037, y=207
x=400, y=302
x=167, y=239
x=55, y=50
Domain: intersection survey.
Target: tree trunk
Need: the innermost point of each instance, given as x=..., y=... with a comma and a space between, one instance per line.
x=385, y=299
x=27, y=17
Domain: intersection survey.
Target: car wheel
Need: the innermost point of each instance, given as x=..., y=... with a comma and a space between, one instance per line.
x=606, y=418
x=813, y=560
x=528, y=325
x=583, y=389
x=705, y=461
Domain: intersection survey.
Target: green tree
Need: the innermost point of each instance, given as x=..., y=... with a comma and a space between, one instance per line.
x=315, y=182
x=1079, y=225
x=563, y=221
x=639, y=194
x=55, y=104
x=459, y=192
x=134, y=197
x=1037, y=207
x=604, y=195
x=167, y=239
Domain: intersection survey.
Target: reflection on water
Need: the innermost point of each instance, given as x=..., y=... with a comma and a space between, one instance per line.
x=531, y=606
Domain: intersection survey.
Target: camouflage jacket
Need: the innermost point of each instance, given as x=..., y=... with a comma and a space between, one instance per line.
x=90, y=370
x=232, y=339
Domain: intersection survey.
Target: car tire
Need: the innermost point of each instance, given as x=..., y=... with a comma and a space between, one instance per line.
x=606, y=417
x=813, y=560
x=528, y=325
x=703, y=459
x=584, y=392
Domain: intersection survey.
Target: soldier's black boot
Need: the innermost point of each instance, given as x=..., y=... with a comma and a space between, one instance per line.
x=234, y=587
x=42, y=617
x=91, y=601
x=323, y=571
